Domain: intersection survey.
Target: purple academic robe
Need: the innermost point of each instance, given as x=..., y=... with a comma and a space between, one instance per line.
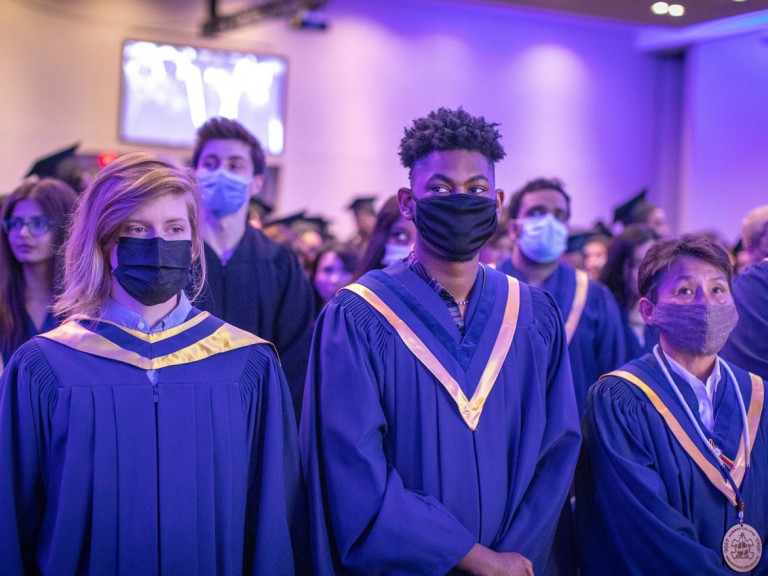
x=644, y=506
x=748, y=345
x=598, y=344
x=102, y=472
x=398, y=482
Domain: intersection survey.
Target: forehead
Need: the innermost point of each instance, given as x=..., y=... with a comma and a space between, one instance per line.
x=166, y=207
x=226, y=150
x=458, y=165
x=27, y=208
x=548, y=198
x=691, y=267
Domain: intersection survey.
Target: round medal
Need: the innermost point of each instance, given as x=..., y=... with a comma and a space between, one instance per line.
x=742, y=548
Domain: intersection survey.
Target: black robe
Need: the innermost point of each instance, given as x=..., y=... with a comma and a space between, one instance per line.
x=262, y=289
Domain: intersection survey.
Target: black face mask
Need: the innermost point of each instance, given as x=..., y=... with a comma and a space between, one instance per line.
x=456, y=225
x=153, y=270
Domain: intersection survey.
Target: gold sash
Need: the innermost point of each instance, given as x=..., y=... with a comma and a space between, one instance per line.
x=224, y=339
x=710, y=471
x=579, y=300
x=471, y=409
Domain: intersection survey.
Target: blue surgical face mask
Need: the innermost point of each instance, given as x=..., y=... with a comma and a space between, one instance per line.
x=394, y=253
x=222, y=192
x=543, y=239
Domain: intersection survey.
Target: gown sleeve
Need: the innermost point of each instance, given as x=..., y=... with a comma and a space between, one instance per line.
x=747, y=346
x=276, y=540
x=26, y=388
x=533, y=524
x=363, y=520
x=626, y=522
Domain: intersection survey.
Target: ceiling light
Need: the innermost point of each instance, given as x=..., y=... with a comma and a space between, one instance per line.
x=676, y=10
x=739, y=0
x=660, y=8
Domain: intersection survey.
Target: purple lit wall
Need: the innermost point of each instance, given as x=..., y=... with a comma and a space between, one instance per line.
x=576, y=98
x=726, y=155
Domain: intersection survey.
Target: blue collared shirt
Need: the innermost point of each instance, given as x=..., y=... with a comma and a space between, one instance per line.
x=121, y=315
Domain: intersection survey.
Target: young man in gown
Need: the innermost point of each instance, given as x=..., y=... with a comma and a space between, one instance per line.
x=439, y=428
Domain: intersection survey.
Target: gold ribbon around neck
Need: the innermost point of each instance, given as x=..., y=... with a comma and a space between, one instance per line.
x=579, y=300
x=470, y=409
x=224, y=339
x=710, y=470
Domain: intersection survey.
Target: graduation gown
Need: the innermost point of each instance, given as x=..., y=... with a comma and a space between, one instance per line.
x=598, y=344
x=262, y=289
x=748, y=344
x=49, y=323
x=632, y=345
x=645, y=507
x=102, y=472
x=398, y=481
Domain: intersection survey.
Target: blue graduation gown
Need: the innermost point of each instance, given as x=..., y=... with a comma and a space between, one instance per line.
x=103, y=473
x=632, y=345
x=644, y=506
x=263, y=289
x=598, y=344
x=748, y=344
x=49, y=323
x=397, y=481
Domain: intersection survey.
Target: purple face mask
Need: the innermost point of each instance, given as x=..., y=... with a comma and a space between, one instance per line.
x=700, y=329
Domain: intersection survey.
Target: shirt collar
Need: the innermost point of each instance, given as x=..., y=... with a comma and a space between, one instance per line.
x=121, y=315
x=710, y=385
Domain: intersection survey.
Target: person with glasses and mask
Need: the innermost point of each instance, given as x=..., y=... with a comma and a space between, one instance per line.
x=439, y=429
x=143, y=436
x=674, y=478
x=34, y=220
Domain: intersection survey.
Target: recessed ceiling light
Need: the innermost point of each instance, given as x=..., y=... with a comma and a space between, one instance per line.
x=676, y=10
x=739, y=0
x=660, y=8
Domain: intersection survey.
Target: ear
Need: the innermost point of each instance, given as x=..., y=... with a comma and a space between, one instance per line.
x=513, y=228
x=646, y=310
x=256, y=185
x=499, y=200
x=407, y=203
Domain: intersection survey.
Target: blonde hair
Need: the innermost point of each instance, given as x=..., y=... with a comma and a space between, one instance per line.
x=118, y=191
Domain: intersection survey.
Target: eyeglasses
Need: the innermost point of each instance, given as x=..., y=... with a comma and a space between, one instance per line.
x=37, y=225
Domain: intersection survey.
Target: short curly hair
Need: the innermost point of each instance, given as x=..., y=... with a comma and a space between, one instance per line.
x=450, y=130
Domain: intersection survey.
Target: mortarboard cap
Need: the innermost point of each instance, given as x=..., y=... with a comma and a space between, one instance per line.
x=300, y=222
x=316, y=223
x=362, y=204
x=578, y=239
x=47, y=167
x=264, y=207
x=625, y=212
x=288, y=220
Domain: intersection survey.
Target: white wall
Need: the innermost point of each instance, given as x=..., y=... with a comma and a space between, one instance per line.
x=574, y=97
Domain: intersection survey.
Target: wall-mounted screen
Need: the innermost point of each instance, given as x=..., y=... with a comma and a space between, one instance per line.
x=168, y=91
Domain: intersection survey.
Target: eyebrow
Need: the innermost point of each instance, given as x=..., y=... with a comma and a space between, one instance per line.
x=445, y=178
x=148, y=223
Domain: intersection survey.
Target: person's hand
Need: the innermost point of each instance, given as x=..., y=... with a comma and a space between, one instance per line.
x=482, y=561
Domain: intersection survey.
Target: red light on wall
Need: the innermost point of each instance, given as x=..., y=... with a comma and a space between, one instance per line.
x=106, y=157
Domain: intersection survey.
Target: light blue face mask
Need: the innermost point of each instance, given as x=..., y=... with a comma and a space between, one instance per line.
x=543, y=239
x=394, y=253
x=222, y=192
